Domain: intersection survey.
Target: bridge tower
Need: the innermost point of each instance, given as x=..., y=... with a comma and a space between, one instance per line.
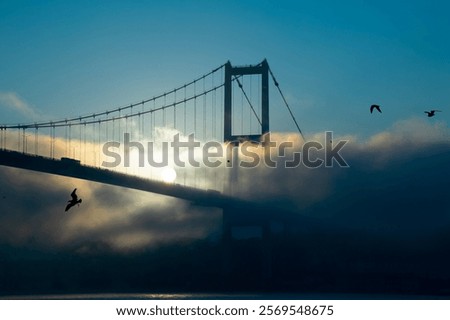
x=231, y=215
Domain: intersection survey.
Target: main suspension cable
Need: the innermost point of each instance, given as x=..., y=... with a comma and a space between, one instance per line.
x=62, y=122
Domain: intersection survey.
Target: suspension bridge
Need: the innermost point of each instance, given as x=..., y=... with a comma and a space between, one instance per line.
x=229, y=104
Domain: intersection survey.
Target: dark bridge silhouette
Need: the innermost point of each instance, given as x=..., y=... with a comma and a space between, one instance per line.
x=72, y=168
x=90, y=131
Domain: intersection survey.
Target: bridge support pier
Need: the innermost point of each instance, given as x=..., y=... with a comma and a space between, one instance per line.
x=232, y=218
x=235, y=216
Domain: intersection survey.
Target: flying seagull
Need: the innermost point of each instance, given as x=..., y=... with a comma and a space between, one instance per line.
x=431, y=113
x=74, y=200
x=375, y=106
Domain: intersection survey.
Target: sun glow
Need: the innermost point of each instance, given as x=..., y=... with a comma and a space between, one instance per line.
x=168, y=175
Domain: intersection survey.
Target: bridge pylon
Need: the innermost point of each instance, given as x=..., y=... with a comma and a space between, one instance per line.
x=231, y=216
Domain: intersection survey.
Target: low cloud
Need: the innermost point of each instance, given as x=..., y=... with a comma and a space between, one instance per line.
x=15, y=102
x=396, y=184
x=32, y=214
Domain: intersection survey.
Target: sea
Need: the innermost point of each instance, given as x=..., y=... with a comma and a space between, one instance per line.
x=220, y=296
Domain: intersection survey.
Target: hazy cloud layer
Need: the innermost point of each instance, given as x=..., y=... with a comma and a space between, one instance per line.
x=32, y=214
x=397, y=181
x=397, y=184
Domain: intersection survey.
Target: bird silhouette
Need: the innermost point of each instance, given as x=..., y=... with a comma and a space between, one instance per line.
x=74, y=200
x=432, y=113
x=375, y=106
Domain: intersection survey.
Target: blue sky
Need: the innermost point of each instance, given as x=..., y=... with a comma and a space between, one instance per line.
x=332, y=59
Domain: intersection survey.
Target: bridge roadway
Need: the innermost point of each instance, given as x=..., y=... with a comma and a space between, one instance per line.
x=71, y=168
x=240, y=211
x=254, y=211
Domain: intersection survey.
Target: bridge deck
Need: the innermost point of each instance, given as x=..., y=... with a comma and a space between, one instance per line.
x=76, y=170
x=255, y=211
